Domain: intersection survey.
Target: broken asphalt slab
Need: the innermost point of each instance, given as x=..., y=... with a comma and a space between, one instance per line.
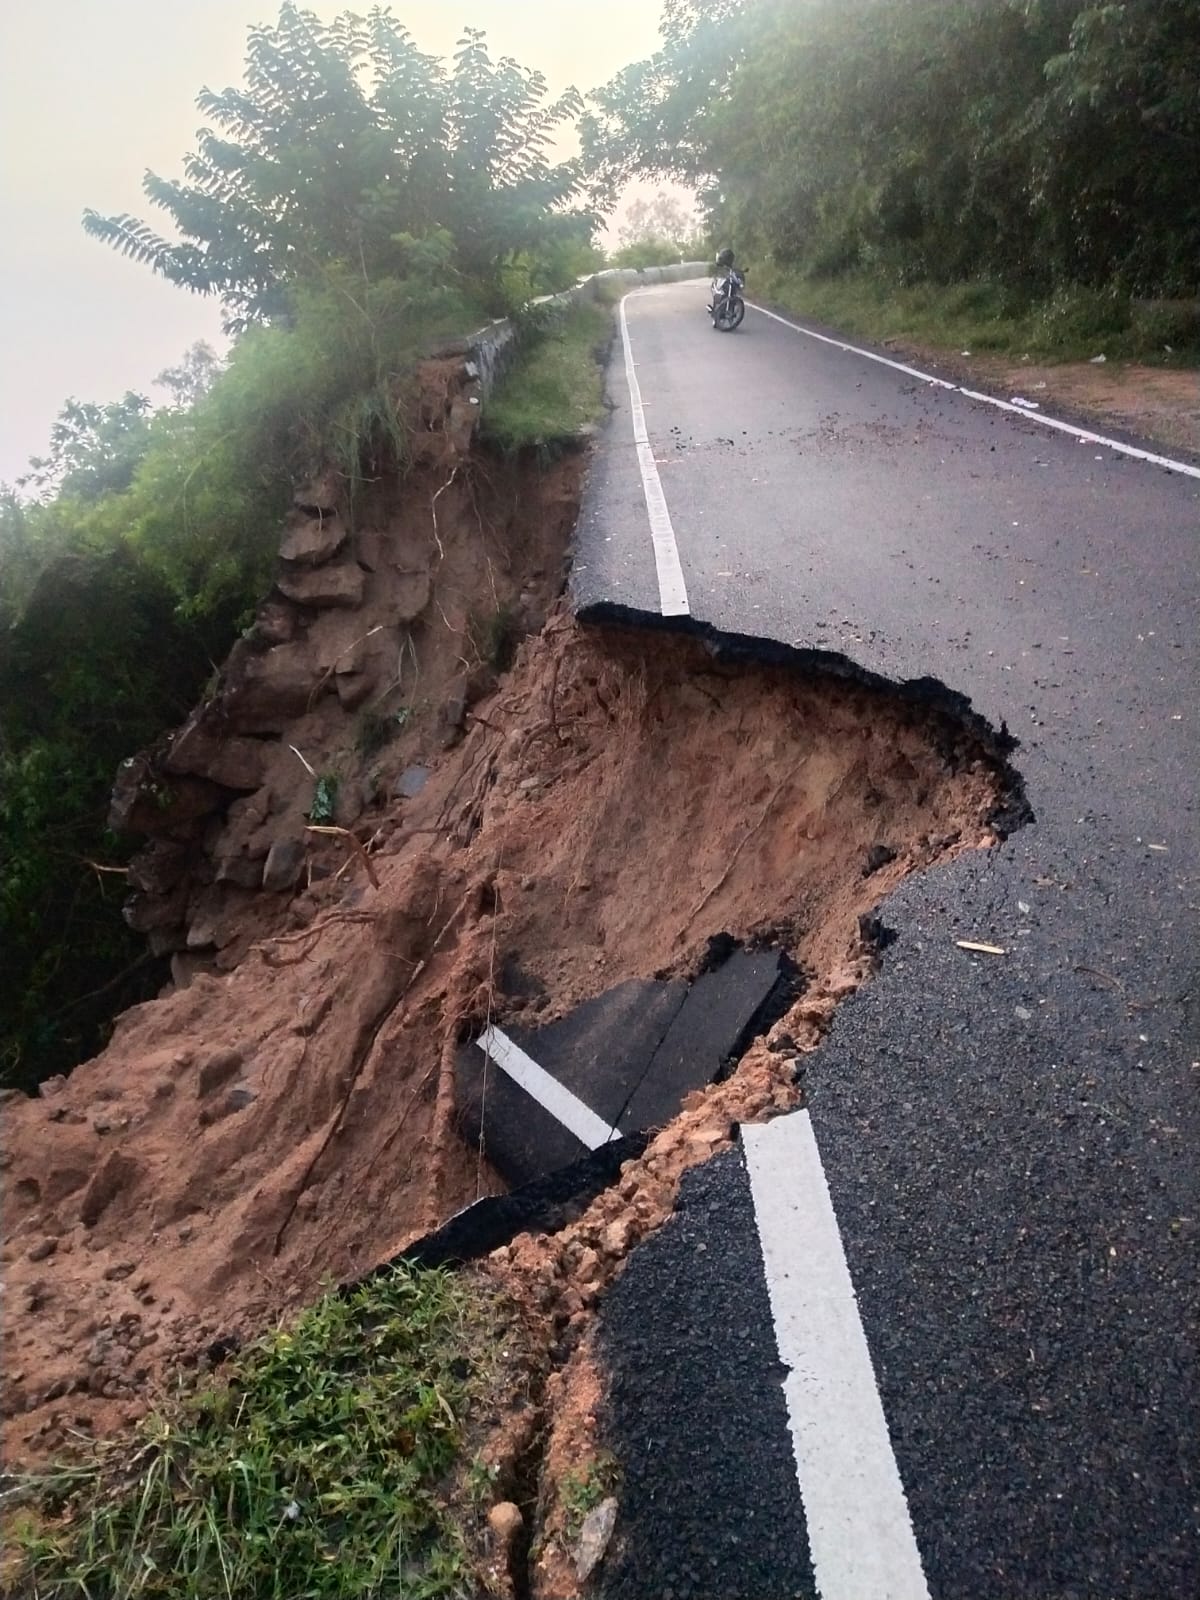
x=625, y=1060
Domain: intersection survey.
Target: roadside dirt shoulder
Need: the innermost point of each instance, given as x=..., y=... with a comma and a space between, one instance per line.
x=1159, y=404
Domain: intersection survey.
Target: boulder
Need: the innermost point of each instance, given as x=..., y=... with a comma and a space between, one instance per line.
x=320, y=495
x=463, y=420
x=405, y=570
x=311, y=541
x=268, y=688
x=409, y=593
x=410, y=783
x=283, y=866
x=342, y=642
x=340, y=583
x=146, y=912
x=160, y=867
x=214, y=916
x=145, y=801
x=244, y=825
x=202, y=751
x=240, y=868
x=353, y=689
x=275, y=622
x=185, y=967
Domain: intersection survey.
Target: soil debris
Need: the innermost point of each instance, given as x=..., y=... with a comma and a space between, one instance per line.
x=618, y=802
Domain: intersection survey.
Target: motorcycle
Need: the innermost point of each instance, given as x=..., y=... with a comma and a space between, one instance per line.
x=727, y=308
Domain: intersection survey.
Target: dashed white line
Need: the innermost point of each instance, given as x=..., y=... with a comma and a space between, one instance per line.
x=1085, y=435
x=860, y=1532
x=554, y=1097
x=672, y=591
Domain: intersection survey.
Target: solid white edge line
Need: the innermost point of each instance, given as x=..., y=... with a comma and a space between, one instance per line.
x=552, y=1096
x=672, y=591
x=860, y=1532
x=1085, y=435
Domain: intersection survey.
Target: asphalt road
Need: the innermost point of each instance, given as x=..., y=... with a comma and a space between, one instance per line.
x=1010, y=1142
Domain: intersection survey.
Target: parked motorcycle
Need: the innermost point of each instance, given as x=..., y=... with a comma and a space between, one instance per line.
x=727, y=306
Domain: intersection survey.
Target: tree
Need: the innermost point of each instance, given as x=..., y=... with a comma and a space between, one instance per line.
x=662, y=220
x=94, y=449
x=1115, y=144
x=1032, y=141
x=193, y=377
x=347, y=144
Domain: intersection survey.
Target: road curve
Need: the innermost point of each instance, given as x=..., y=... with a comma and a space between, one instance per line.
x=1009, y=1142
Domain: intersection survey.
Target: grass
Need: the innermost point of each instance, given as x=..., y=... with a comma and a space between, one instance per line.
x=321, y=1466
x=555, y=387
x=1073, y=324
x=583, y=1488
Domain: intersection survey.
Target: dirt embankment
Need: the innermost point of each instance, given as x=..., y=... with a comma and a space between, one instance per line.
x=623, y=797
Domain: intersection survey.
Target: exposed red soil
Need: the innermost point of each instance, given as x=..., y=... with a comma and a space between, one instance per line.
x=623, y=797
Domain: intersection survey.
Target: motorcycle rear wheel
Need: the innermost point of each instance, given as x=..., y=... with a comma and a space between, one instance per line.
x=728, y=313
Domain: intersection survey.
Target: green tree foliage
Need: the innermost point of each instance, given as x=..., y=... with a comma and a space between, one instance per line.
x=193, y=377
x=1038, y=141
x=347, y=144
x=93, y=449
x=96, y=664
x=116, y=600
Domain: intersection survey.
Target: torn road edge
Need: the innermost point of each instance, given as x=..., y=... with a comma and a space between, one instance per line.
x=1013, y=810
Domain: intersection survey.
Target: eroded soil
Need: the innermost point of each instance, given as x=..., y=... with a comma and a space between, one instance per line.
x=623, y=797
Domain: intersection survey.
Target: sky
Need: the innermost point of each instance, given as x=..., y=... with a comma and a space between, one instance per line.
x=93, y=92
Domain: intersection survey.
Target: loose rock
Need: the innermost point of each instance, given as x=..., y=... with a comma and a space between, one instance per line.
x=505, y=1520
x=597, y=1530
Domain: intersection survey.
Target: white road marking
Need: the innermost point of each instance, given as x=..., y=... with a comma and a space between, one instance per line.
x=860, y=1533
x=1085, y=435
x=552, y=1096
x=672, y=591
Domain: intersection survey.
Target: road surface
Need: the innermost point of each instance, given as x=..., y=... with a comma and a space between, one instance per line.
x=1009, y=1143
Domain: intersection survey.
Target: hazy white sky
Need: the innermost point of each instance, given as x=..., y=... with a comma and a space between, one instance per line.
x=92, y=92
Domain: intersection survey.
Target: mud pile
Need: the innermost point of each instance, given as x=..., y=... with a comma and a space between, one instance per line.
x=623, y=797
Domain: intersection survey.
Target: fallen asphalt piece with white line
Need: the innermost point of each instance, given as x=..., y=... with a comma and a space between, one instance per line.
x=1007, y=1141
x=537, y=1100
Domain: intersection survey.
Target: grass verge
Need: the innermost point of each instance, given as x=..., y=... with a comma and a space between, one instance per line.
x=555, y=387
x=326, y=1462
x=1073, y=324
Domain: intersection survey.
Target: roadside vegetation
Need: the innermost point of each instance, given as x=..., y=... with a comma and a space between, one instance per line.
x=555, y=387
x=1019, y=175
x=1072, y=324
x=659, y=232
x=331, y=1459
